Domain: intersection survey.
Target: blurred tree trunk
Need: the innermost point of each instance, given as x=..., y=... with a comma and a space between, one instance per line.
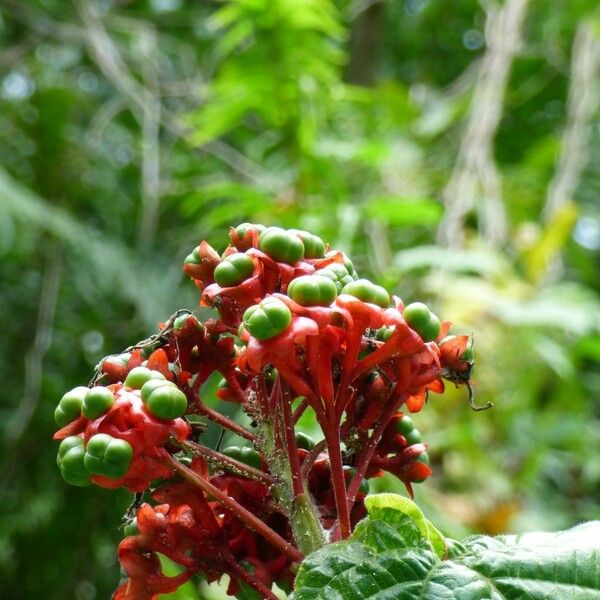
x=364, y=44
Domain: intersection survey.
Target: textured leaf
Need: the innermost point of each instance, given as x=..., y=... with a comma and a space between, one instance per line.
x=535, y=566
x=404, y=523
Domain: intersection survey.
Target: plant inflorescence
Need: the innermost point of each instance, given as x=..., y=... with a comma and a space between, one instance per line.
x=297, y=330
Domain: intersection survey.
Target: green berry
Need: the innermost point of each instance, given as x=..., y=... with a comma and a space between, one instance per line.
x=422, y=320
x=97, y=401
x=70, y=459
x=404, y=425
x=107, y=456
x=152, y=385
x=250, y=456
x=193, y=258
x=138, y=376
x=383, y=334
x=312, y=290
x=69, y=407
x=131, y=529
x=234, y=269
x=243, y=228
x=337, y=273
x=367, y=291
x=182, y=320
x=165, y=401
x=234, y=452
x=267, y=319
x=281, y=245
x=413, y=437
x=73, y=441
x=348, y=264
x=430, y=331
x=314, y=246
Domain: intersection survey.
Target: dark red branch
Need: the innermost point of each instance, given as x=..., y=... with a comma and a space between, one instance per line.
x=248, y=518
x=221, y=459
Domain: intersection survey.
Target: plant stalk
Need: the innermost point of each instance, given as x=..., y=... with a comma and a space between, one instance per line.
x=248, y=518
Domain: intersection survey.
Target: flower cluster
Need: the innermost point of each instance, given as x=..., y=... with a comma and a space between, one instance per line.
x=297, y=330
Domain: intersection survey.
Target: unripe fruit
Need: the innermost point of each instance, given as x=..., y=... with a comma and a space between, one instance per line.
x=367, y=291
x=422, y=320
x=404, y=425
x=131, y=529
x=233, y=269
x=383, y=334
x=69, y=407
x=312, y=290
x=97, y=401
x=337, y=273
x=314, y=246
x=281, y=245
x=107, y=456
x=137, y=377
x=413, y=437
x=267, y=319
x=70, y=459
x=243, y=228
x=164, y=399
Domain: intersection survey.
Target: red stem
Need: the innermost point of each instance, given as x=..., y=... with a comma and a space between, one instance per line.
x=366, y=455
x=332, y=436
x=223, y=421
x=222, y=459
x=312, y=456
x=290, y=439
x=248, y=518
x=240, y=573
x=300, y=410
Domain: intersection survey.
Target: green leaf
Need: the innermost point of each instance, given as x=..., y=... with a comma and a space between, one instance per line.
x=404, y=521
x=389, y=560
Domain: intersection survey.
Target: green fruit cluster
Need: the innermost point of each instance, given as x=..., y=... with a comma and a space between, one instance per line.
x=103, y=455
x=267, y=319
x=337, y=273
x=312, y=290
x=422, y=320
x=367, y=291
x=92, y=403
x=234, y=269
x=163, y=399
x=290, y=246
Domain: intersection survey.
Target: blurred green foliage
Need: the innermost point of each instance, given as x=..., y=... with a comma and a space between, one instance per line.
x=132, y=130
